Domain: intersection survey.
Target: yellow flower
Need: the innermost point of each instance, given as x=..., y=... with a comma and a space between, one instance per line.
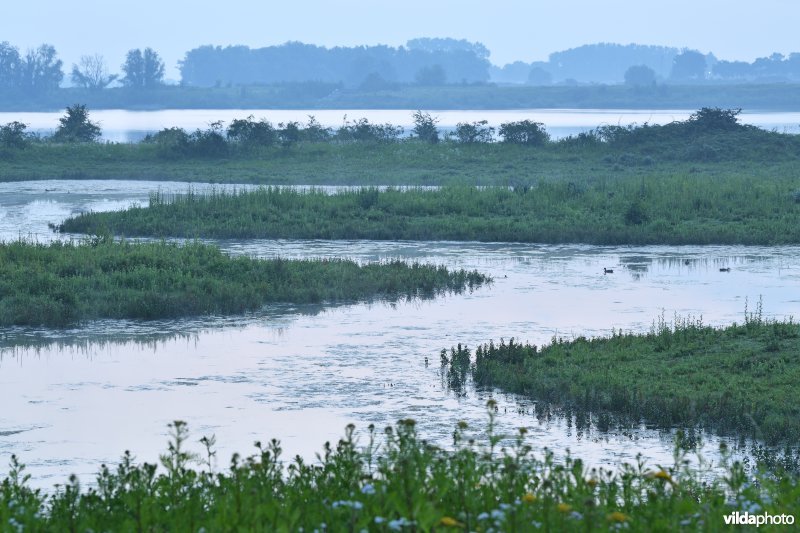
x=447, y=521
x=662, y=474
x=529, y=498
x=592, y=482
x=617, y=516
x=564, y=508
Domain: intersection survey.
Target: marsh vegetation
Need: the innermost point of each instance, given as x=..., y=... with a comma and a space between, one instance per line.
x=64, y=282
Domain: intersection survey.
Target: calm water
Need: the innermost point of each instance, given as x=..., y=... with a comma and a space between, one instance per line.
x=73, y=399
x=127, y=126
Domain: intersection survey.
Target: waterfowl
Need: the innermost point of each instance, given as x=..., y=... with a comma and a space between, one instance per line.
x=725, y=269
x=608, y=270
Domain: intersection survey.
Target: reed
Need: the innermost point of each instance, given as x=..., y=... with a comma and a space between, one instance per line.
x=65, y=282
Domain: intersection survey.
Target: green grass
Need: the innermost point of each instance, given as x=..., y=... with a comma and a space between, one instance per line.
x=681, y=209
x=63, y=283
x=739, y=379
x=649, y=152
x=393, y=483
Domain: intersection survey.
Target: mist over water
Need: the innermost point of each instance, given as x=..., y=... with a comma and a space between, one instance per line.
x=132, y=126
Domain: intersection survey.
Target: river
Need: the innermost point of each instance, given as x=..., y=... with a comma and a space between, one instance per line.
x=73, y=399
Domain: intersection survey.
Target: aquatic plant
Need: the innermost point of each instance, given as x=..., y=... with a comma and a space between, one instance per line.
x=738, y=379
x=66, y=282
x=675, y=210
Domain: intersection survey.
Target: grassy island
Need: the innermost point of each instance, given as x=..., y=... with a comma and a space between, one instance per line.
x=677, y=210
x=739, y=379
x=64, y=283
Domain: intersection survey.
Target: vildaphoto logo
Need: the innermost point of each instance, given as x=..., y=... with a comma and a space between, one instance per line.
x=763, y=519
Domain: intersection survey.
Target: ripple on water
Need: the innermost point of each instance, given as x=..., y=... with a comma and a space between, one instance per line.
x=301, y=373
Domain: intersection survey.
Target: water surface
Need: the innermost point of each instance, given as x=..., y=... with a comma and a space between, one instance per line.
x=75, y=398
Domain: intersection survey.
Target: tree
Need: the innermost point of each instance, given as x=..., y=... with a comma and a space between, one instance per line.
x=689, y=66
x=476, y=132
x=143, y=70
x=41, y=70
x=640, y=76
x=524, y=132
x=425, y=127
x=76, y=127
x=92, y=73
x=539, y=76
x=10, y=66
x=431, y=75
x=13, y=135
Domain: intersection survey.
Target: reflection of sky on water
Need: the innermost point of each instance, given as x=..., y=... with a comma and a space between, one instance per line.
x=75, y=398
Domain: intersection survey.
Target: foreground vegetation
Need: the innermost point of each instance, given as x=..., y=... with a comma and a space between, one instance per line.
x=63, y=283
x=739, y=379
x=397, y=483
x=674, y=210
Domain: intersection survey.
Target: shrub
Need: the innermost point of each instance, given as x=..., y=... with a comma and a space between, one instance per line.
x=524, y=132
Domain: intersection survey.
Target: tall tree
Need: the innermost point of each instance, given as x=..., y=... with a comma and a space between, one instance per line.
x=10, y=66
x=41, y=70
x=92, y=73
x=689, y=66
x=143, y=70
x=640, y=76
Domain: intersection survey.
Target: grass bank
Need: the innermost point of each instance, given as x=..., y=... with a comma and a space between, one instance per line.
x=738, y=379
x=711, y=143
x=396, y=482
x=64, y=283
x=678, y=209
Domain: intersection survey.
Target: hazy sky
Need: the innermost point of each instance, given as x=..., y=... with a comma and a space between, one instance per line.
x=512, y=30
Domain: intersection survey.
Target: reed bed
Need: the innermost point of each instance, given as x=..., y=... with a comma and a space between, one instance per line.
x=63, y=283
x=680, y=209
x=740, y=379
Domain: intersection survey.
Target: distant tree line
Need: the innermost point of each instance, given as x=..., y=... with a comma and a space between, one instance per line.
x=39, y=71
x=639, y=65
x=421, y=61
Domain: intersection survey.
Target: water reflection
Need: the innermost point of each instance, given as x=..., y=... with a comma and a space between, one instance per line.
x=74, y=399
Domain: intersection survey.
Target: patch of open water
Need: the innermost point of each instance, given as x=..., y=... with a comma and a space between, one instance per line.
x=76, y=398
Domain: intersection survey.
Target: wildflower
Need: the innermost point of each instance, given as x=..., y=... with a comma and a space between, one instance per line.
x=497, y=514
x=662, y=474
x=379, y=520
x=564, y=508
x=592, y=483
x=483, y=516
x=368, y=489
x=529, y=498
x=462, y=424
x=447, y=521
x=618, y=517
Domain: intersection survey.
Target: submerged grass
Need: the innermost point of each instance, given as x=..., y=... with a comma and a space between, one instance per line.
x=394, y=483
x=679, y=209
x=738, y=379
x=63, y=282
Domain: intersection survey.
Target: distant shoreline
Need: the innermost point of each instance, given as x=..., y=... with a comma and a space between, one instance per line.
x=764, y=97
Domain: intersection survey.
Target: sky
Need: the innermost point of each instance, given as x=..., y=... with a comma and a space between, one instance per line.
x=511, y=29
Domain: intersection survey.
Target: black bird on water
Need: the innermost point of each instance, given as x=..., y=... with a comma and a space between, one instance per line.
x=725, y=269
x=608, y=270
